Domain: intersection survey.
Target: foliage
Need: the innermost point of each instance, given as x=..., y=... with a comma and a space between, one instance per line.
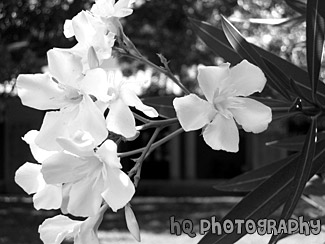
x=277, y=184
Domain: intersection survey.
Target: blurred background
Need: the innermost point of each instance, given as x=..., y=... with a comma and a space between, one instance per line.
x=185, y=166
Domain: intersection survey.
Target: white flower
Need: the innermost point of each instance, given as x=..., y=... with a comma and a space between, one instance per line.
x=117, y=95
x=88, y=176
x=108, y=8
x=30, y=178
x=55, y=230
x=225, y=89
x=61, y=90
x=90, y=32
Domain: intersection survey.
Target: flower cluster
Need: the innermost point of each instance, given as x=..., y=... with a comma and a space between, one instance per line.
x=78, y=169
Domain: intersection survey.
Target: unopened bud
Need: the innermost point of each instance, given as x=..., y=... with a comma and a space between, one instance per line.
x=132, y=223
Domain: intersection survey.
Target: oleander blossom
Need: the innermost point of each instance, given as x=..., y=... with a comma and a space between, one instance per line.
x=88, y=176
x=57, y=229
x=92, y=33
x=61, y=90
x=108, y=8
x=116, y=94
x=225, y=90
x=30, y=178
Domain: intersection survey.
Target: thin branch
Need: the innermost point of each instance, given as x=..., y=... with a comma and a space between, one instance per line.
x=158, y=123
x=137, y=167
x=142, y=119
x=154, y=145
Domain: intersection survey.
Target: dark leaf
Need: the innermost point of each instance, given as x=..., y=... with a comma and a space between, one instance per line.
x=316, y=186
x=274, y=104
x=292, y=22
x=293, y=143
x=163, y=105
x=218, y=46
x=247, y=51
x=294, y=86
x=315, y=40
x=278, y=74
x=302, y=175
x=249, y=181
x=265, y=199
x=279, y=116
x=297, y=5
x=216, y=41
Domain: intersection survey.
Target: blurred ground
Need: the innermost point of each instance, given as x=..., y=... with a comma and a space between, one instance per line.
x=19, y=221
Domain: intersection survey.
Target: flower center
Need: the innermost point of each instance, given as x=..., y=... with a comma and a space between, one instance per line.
x=112, y=94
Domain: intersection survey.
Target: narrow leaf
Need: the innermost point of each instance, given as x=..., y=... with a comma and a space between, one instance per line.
x=265, y=199
x=315, y=40
x=297, y=5
x=294, y=86
x=294, y=143
x=247, y=51
x=247, y=182
x=292, y=22
x=302, y=175
x=215, y=39
x=280, y=116
x=278, y=74
x=275, y=104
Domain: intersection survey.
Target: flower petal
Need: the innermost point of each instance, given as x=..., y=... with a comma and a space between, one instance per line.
x=211, y=78
x=107, y=152
x=82, y=144
x=103, y=8
x=95, y=83
x=82, y=117
x=49, y=197
x=85, y=197
x=65, y=66
x=246, y=78
x=38, y=153
x=40, y=91
x=193, y=112
x=90, y=119
x=122, y=8
x=131, y=99
x=88, y=230
x=56, y=229
x=63, y=168
x=252, y=115
x=54, y=125
x=120, y=119
x=82, y=28
x=68, y=29
x=27, y=177
x=119, y=189
x=222, y=134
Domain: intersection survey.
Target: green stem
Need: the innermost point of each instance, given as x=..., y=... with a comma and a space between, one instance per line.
x=154, y=145
x=158, y=123
x=137, y=167
x=142, y=119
